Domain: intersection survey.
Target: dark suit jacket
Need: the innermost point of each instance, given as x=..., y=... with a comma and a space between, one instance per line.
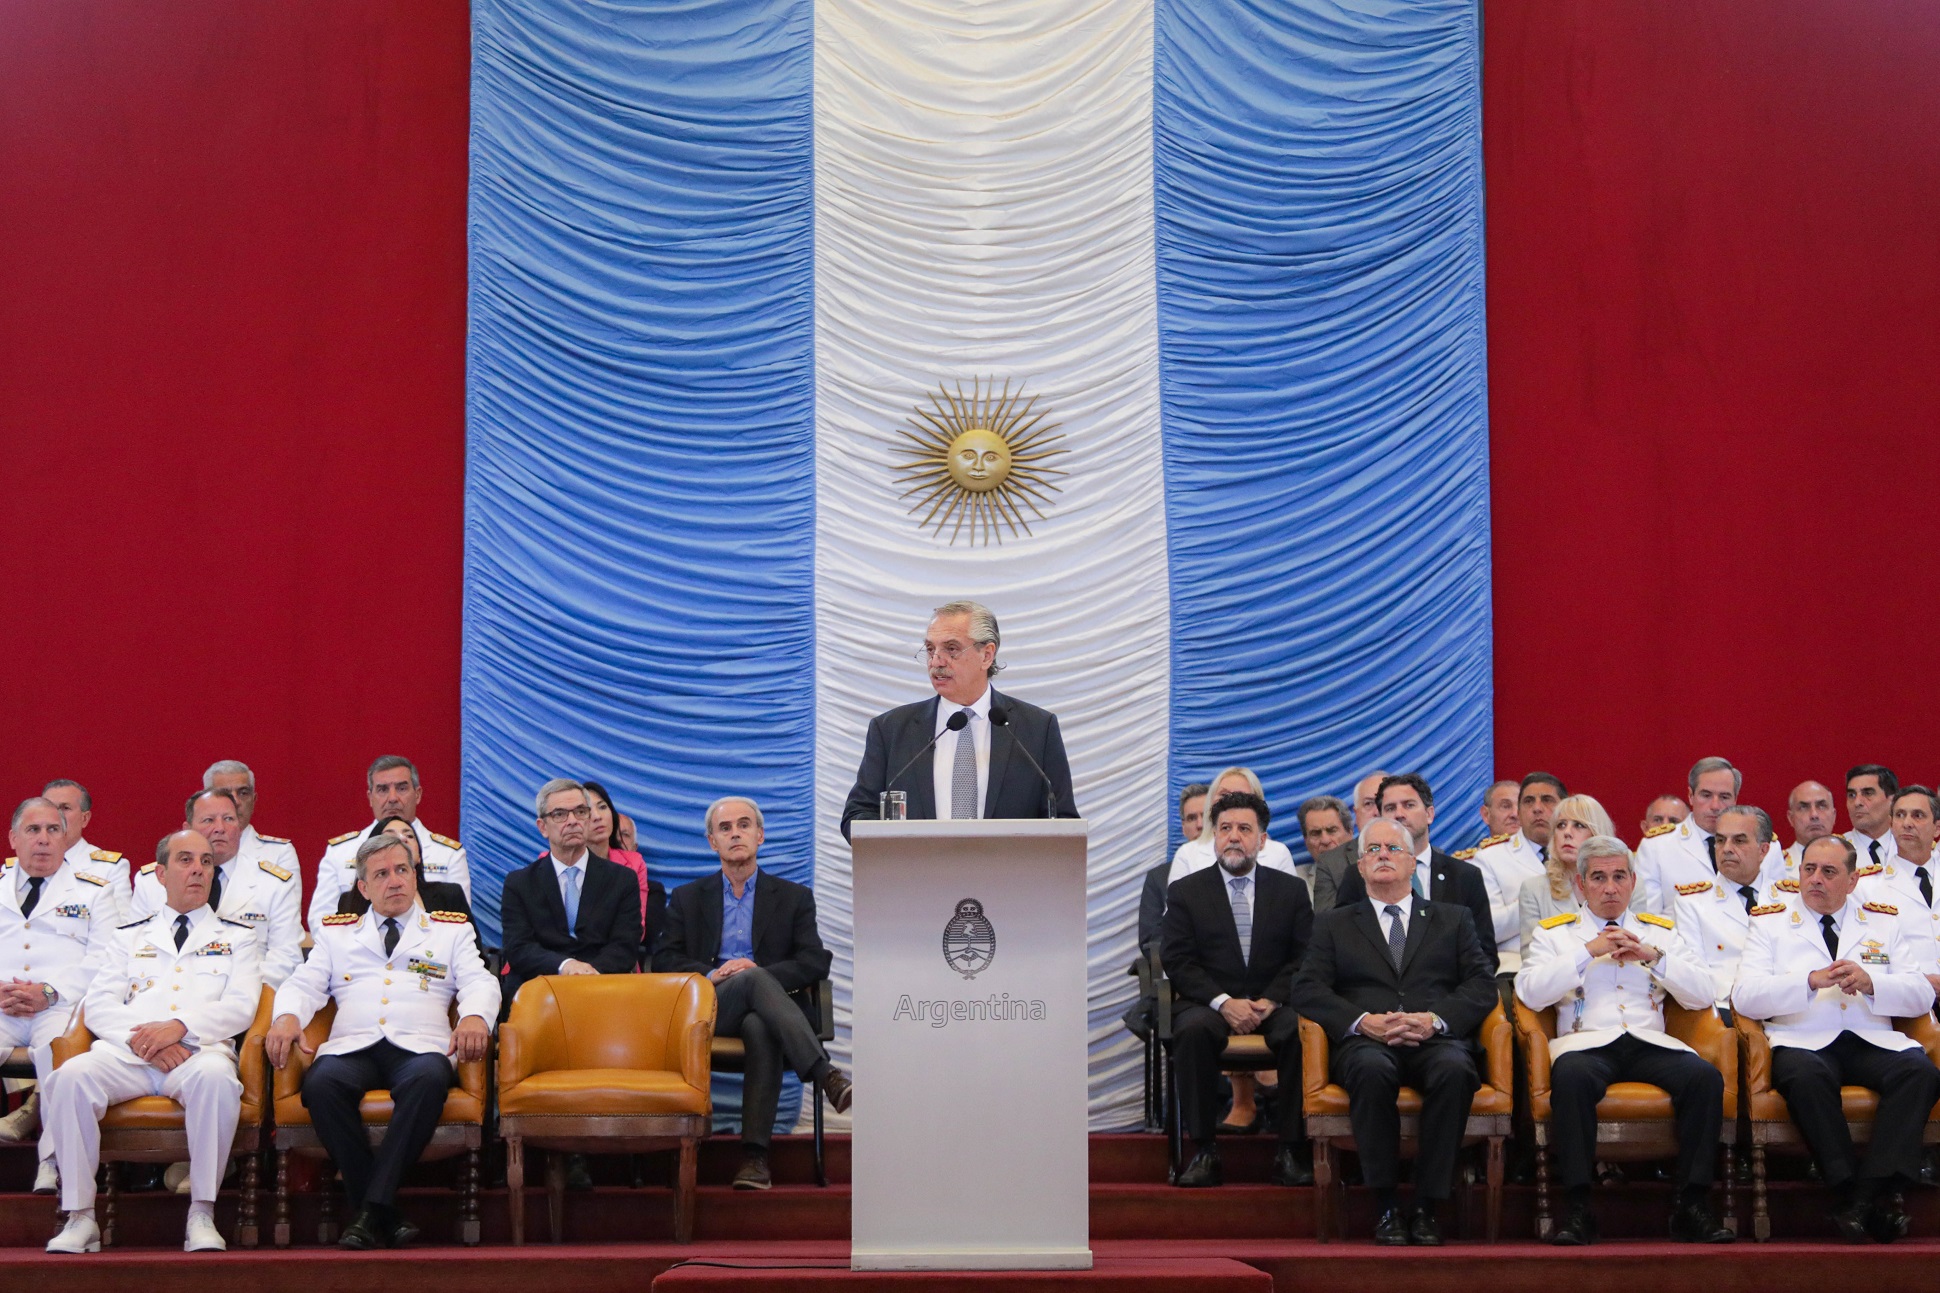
x=532, y=916
x=436, y=895
x=1201, y=949
x=1450, y=880
x=1014, y=790
x=1348, y=971
x=1330, y=869
x=786, y=942
x=1151, y=906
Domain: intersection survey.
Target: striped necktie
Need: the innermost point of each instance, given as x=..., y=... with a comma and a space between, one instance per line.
x=1397, y=936
x=1242, y=917
x=963, y=774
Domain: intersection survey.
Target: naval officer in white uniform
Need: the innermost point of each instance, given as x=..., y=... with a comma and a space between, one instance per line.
x=249, y=890
x=77, y=807
x=164, y=1011
x=1687, y=852
x=394, y=791
x=1715, y=915
x=395, y=973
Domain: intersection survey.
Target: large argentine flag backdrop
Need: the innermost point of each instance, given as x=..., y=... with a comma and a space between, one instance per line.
x=720, y=251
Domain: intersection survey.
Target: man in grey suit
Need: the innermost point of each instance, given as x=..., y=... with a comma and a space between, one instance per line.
x=1334, y=866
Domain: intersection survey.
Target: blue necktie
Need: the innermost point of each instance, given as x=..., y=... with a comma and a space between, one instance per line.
x=963, y=774
x=1242, y=918
x=572, y=899
x=1397, y=936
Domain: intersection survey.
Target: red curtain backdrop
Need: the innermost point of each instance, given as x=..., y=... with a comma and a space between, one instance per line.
x=1714, y=368
x=232, y=244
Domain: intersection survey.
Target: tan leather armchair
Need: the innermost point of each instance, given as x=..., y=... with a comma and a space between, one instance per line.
x=607, y=1064
x=1244, y=1053
x=460, y=1130
x=1634, y=1121
x=1771, y=1118
x=1325, y=1103
x=152, y=1129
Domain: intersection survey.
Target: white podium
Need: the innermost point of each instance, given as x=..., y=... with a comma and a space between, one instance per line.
x=970, y=1130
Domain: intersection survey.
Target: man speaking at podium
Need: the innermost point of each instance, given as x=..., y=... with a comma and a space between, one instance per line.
x=969, y=751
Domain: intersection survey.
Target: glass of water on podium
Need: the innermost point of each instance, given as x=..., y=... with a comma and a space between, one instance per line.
x=894, y=805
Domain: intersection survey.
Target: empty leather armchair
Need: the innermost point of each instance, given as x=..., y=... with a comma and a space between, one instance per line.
x=607, y=1064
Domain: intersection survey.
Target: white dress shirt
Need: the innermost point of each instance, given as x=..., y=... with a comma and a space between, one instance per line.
x=945, y=754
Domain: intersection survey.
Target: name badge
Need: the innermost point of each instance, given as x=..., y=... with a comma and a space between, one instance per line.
x=147, y=949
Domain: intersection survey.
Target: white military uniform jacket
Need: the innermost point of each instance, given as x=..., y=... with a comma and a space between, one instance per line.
x=1598, y=999
x=1712, y=917
x=1505, y=862
x=69, y=935
x=1897, y=884
x=444, y=859
x=273, y=849
x=1862, y=843
x=405, y=997
x=255, y=892
x=1786, y=945
x=1680, y=853
x=213, y=984
x=85, y=859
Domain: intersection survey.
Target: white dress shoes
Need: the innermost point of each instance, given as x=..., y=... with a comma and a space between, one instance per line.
x=79, y=1235
x=203, y=1237
x=47, y=1177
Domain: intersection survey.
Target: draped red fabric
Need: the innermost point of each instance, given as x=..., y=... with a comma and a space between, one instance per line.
x=1714, y=371
x=232, y=296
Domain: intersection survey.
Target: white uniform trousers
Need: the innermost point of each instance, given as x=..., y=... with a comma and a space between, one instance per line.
x=37, y=1033
x=80, y=1091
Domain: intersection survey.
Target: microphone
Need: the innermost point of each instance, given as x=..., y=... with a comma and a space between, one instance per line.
x=957, y=722
x=1000, y=717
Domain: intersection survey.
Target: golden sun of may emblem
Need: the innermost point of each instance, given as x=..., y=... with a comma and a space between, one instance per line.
x=977, y=462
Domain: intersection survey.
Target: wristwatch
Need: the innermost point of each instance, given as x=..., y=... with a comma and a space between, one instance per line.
x=52, y=996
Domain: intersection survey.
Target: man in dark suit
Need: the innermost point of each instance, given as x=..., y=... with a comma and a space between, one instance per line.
x=754, y=937
x=1400, y=985
x=1333, y=866
x=984, y=768
x=1234, y=935
x=1437, y=876
x=570, y=912
x=1151, y=903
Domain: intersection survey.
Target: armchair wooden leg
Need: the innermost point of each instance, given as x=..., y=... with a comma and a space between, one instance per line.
x=468, y=1174
x=110, y=1198
x=1730, y=1188
x=1323, y=1157
x=1761, y=1220
x=1543, y=1222
x=281, y=1232
x=246, y=1229
x=1493, y=1208
x=556, y=1194
x=690, y=1155
x=821, y=1162
x=327, y=1209
x=515, y=1186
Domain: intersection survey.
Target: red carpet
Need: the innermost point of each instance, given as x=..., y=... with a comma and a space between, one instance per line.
x=1117, y=1274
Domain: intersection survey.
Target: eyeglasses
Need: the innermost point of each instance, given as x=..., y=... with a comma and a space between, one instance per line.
x=1372, y=849
x=949, y=651
x=558, y=815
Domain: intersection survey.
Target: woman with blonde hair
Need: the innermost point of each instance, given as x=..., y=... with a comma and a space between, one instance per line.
x=1553, y=892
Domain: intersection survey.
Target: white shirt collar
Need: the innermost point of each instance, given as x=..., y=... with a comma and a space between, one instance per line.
x=980, y=707
x=559, y=868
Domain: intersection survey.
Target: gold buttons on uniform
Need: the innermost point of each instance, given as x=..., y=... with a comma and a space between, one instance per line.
x=387, y=982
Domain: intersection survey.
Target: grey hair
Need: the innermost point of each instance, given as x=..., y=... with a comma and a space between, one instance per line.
x=1407, y=836
x=375, y=844
x=226, y=768
x=1323, y=804
x=983, y=626
x=384, y=763
x=37, y=801
x=1714, y=764
x=62, y=783
x=161, y=848
x=1252, y=783
x=553, y=787
x=1758, y=815
x=1602, y=846
x=715, y=807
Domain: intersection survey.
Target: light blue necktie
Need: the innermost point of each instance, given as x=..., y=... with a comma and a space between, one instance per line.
x=1414, y=882
x=572, y=899
x=963, y=774
x=1242, y=918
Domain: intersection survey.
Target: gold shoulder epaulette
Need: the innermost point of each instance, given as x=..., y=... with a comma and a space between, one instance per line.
x=103, y=855
x=1787, y=886
x=1491, y=842
x=149, y=869
x=273, y=869
x=1560, y=919
x=1883, y=908
x=451, y=917
x=85, y=878
x=1696, y=886
x=347, y=835
x=9, y=862
x=1466, y=855
x=1652, y=918
x=342, y=918
x=1655, y=831
x=446, y=840
x=271, y=839
x=1768, y=909
x=1865, y=871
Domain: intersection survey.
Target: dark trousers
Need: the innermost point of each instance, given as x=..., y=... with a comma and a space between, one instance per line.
x=1442, y=1069
x=1579, y=1080
x=1907, y=1083
x=336, y=1084
x=772, y=1028
x=1199, y=1036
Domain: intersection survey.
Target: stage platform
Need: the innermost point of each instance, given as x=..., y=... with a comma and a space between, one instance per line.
x=1246, y=1235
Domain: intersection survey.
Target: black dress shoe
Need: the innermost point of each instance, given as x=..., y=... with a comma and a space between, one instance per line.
x=1201, y=1172
x=1692, y=1223
x=1241, y=1128
x=578, y=1175
x=1577, y=1231
x=366, y=1232
x=1391, y=1229
x=1292, y=1167
x=1851, y=1220
x=1425, y=1231
x=1888, y=1220
x=402, y=1232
